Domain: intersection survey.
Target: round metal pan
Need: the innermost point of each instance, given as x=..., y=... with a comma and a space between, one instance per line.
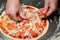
x=53, y=18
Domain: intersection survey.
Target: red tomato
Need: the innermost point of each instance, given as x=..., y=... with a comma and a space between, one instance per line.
x=24, y=27
x=38, y=26
x=44, y=23
x=33, y=33
x=11, y=26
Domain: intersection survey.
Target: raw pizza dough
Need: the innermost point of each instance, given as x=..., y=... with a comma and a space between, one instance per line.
x=34, y=25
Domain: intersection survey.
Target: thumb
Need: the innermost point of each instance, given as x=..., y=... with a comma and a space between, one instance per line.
x=46, y=6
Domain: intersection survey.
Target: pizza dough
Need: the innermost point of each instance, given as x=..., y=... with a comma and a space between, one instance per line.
x=28, y=29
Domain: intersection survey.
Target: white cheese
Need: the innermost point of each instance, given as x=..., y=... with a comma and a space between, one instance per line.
x=12, y=31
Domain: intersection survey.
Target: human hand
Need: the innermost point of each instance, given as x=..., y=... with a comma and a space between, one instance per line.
x=12, y=8
x=49, y=7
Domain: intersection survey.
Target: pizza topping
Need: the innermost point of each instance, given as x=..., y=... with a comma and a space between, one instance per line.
x=20, y=36
x=24, y=27
x=44, y=23
x=33, y=33
x=37, y=25
x=11, y=26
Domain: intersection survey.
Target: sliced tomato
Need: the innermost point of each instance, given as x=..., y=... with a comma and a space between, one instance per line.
x=20, y=36
x=44, y=23
x=24, y=27
x=33, y=33
x=38, y=26
x=11, y=26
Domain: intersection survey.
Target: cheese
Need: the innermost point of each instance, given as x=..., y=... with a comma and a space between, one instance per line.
x=12, y=31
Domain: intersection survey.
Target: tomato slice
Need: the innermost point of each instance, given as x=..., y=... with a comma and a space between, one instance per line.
x=20, y=36
x=38, y=26
x=33, y=33
x=24, y=27
x=11, y=26
x=44, y=23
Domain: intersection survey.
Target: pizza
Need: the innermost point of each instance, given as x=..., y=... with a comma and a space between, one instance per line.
x=28, y=29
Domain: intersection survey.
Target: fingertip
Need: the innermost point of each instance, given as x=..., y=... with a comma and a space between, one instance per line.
x=49, y=12
x=42, y=16
x=44, y=10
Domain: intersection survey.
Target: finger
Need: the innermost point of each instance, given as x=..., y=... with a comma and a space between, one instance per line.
x=50, y=11
x=21, y=13
x=42, y=16
x=40, y=13
x=23, y=16
x=46, y=6
x=14, y=17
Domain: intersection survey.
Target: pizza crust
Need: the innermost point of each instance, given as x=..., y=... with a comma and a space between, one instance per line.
x=45, y=30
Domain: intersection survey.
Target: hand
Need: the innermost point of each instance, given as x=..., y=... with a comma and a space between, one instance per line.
x=49, y=7
x=12, y=8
